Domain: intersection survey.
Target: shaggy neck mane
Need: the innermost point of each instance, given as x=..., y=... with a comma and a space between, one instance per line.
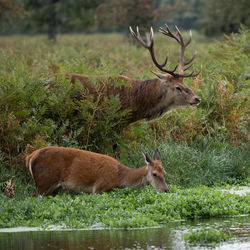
x=147, y=96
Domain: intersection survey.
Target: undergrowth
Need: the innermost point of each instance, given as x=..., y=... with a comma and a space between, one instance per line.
x=206, y=236
x=32, y=116
x=206, y=145
x=142, y=207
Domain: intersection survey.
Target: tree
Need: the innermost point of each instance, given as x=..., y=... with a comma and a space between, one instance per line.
x=225, y=16
x=118, y=15
x=59, y=15
x=184, y=14
x=10, y=10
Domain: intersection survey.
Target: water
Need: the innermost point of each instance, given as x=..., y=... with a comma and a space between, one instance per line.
x=168, y=237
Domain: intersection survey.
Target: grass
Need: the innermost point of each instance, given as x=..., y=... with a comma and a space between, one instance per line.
x=206, y=236
x=210, y=165
x=127, y=208
x=199, y=164
x=142, y=207
x=207, y=145
x=32, y=115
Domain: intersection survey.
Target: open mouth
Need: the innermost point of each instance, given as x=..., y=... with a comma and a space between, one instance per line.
x=194, y=103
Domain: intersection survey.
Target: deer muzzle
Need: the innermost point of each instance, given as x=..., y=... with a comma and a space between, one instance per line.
x=196, y=101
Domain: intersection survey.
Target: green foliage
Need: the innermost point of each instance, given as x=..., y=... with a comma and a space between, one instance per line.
x=33, y=116
x=219, y=16
x=197, y=165
x=205, y=236
x=127, y=208
x=223, y=87
x=10, y=10
x=114, y=15
x=52, y=16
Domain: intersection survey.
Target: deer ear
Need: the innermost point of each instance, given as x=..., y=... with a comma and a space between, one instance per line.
x=157, y=155
x=160, y=76
x=146, y=158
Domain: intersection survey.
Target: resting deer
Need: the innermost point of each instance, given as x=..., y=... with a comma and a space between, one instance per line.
x=150, y=99
x=77, y=170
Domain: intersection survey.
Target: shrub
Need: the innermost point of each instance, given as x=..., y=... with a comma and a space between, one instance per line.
x=206, y=236
x=223, y=87
x=32, y=116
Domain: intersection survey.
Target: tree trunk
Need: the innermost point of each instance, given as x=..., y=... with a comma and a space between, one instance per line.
x=52, y=22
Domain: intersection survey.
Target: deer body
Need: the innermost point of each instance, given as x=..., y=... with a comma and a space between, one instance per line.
x=77, y=170
x=148, y=99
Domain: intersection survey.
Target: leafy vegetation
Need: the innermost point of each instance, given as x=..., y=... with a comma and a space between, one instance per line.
x=197, y=165
x=32, y=116
x=206, y=145
x=205, y=236
x=126, y=208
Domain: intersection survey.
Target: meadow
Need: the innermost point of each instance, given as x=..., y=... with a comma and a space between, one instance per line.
x=206, y=145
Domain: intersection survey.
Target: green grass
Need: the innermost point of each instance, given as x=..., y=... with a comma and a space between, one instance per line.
x=127, y=208
x=206, y=236
x=143, y=207
x=207, y=145
x=33, y=115
x=200, y=164
x=212, y=164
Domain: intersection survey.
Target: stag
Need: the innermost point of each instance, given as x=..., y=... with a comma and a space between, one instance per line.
x=150, y=99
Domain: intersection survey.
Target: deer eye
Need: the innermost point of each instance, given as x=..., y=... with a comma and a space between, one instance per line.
x=178, y=88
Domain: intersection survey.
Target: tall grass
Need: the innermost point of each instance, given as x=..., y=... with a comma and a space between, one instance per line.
x=32, y=116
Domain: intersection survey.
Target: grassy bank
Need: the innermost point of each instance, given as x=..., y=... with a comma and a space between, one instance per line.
x=125, y=208
x=144, y=207
x=208, y=164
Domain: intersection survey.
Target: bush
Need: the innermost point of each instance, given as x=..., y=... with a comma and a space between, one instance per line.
x=223, y=85
x=32, y=116
x=206, y=236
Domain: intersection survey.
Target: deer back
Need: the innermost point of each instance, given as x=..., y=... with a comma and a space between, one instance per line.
x=77, y=170
x=72, y=169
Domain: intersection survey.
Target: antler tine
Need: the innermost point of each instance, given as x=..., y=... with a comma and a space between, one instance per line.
x=192, y=73
x=168, y=32
x=181, y=41
x=151, y=36
x=179, y=38
x=181, y=63
x=190, y=39
x=138, y=37
x=150, y=46
x=190, y=60
x=188, y=67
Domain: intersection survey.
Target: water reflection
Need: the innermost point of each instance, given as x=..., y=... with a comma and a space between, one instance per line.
x=97, y=239
x=169, y=237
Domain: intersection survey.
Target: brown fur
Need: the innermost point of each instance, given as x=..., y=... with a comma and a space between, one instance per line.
x=148, y=99
x=77, y=170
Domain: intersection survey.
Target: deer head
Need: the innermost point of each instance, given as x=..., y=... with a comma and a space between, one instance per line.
x=173, y=80
x=155, y=172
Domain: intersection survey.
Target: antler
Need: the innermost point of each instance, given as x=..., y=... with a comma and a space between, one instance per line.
x=150, y=46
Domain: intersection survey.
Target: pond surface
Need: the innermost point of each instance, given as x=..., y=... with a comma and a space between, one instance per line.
x=168, y=237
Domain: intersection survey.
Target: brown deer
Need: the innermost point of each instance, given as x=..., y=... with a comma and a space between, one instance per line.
x=77, y=170
x=150, y=99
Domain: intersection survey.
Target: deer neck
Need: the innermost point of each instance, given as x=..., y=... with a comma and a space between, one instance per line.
x=150, y=100
x=133, y=177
